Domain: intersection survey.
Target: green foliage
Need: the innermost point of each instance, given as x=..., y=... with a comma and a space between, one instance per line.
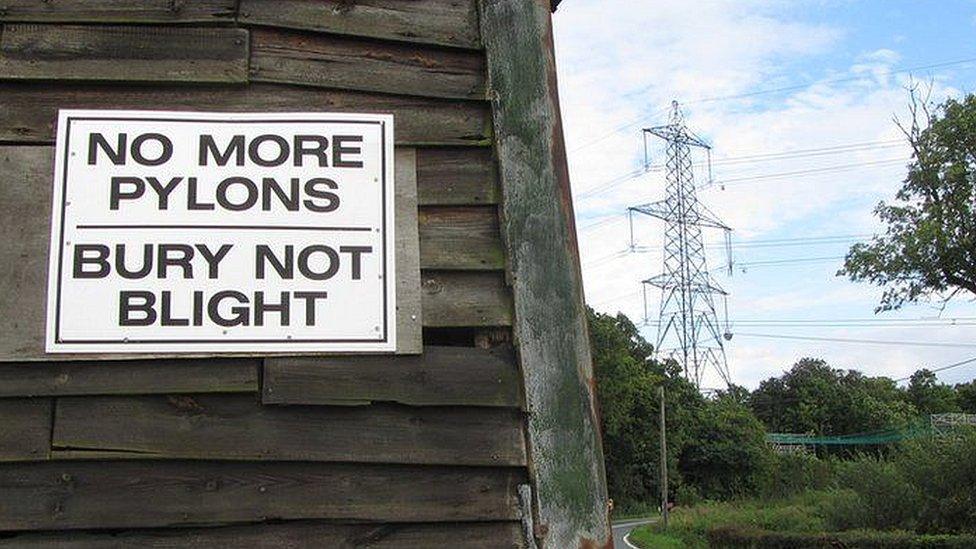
x=929, y=245
x=715, y=445
x=792, y=474
x=645, y=537
x=926, y=484
x=929, y=396
x=798, y=521
x=943, y=472
x=966, y=397
x=627, y=385
x=730, y=453
x=813, y=398
x=877, y=495
x=733, y=537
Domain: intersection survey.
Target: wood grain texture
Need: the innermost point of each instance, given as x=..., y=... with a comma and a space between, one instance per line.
x=442, y=376
x=30, y=110
x=456, y=176
x=130, y=377
x=458, y=298
x=25, y=186
x=287, y=535
x=463, y=238
x=117, y=11
x=409, y=313
x=569, y=483
x=25, y=429
x=123, y=53
x=352, y=64
x=146, y=493
x=443, y=22
x=239, y=427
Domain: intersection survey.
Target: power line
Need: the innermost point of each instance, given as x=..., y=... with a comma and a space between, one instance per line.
x=832, y=81
x=861, y=341
x=863, y=146
x=943, y=368
x=782, y=89
x=809, y=171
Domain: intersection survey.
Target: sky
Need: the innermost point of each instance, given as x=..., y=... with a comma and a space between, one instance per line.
x=798, y=101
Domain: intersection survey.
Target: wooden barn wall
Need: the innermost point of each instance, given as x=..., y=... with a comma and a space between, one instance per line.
x=387, y=451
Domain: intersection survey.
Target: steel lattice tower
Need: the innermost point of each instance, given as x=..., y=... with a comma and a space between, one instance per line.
x=688, y=326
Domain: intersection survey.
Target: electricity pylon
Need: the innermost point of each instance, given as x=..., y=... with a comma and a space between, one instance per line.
x=688, y=329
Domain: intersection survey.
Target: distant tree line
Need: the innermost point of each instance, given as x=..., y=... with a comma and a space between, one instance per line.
x=716, y=444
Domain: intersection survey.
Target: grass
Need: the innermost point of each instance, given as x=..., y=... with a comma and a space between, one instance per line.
x=644, y=537
x=689, y=526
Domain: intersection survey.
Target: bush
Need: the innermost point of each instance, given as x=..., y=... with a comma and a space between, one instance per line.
x=733, y=537
x=791, y=474
x=878, y=495
x=927, y=485
x=943, y=472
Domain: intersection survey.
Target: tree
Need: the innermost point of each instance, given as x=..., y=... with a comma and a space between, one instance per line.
x=929, y=396
x=928, y=248
x=816, y=399
x=966, y=394
x=729, y=455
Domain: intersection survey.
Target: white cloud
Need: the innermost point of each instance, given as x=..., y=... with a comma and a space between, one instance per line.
x=620, y=64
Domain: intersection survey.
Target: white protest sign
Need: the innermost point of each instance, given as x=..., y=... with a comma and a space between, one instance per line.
x=183, y=232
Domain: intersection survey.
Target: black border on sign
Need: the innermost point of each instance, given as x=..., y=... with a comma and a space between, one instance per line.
x=64, y=189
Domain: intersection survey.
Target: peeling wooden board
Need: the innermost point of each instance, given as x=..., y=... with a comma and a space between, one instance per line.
x=130, y=377
x=239, y=427
x=442, y=376
x=569, y=493
x=145, y=493
x=409, y=314
x=290, y=534
x=352, y=64
x=458, y=298
x=462, y=238
x=25, y=429
x=30, y=109
x=118, y=11
x=456, y=176
x=443, y=22
x=123, y=53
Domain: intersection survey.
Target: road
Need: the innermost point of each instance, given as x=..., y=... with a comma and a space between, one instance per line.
x=622, y=528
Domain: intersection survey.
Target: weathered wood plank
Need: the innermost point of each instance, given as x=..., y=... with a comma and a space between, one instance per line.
x=345, y=63
x=117, y=11
x=129, y=377
x=120, y=53
x=443, y=22
x=146, y=493
x=442, y=376
x=25, y=176
x=30, y=110
x=458, y=298
x=239, y=427
x=291, y=534
x=456, y=176
x=25, y=429
x=409, y=312
x=570, y=492
x=463, y=238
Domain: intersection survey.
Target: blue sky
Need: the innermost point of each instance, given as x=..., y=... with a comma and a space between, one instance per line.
x=840, y=68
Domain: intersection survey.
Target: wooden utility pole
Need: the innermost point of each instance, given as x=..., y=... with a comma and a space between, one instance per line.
x=664, y=463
